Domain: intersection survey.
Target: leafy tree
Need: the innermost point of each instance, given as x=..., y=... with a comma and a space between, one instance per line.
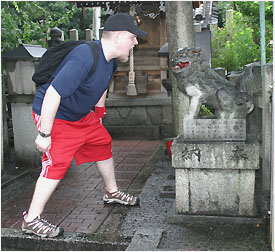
x=58, y=9
x=250, y=11
x=30, y=21
x=238, y=42
x=233, y=46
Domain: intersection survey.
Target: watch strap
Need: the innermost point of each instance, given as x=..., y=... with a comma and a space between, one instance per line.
x=43, y=134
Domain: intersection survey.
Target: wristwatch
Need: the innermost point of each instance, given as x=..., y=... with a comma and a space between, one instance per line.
x=43, y=134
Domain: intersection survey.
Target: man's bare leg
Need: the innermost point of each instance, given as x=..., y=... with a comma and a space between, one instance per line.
x=107, y=171
x=43, y=191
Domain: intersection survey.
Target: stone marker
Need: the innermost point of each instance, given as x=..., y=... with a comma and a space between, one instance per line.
x=214, y=129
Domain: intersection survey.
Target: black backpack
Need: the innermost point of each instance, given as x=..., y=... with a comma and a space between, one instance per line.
x=52, y=58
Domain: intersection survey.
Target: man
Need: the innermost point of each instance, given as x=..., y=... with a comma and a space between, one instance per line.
x=67, y=126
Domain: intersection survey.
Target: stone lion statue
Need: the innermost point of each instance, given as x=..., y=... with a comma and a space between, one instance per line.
x=204, y=86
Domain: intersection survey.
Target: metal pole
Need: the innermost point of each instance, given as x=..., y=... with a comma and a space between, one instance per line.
x=1, y=128
x=262, y=31
x=273, y=149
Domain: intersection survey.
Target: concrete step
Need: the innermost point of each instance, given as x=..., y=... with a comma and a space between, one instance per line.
x=13, y=239
x=145, y=239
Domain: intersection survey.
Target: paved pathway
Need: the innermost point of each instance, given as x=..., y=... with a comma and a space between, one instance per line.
x=151, y=227
x=77, y=203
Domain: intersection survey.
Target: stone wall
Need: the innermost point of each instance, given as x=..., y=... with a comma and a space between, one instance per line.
x=139, y=118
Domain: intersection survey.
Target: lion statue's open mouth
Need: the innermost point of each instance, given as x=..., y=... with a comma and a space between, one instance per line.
x=180, y=65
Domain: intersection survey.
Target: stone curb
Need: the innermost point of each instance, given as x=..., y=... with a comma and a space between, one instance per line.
x=145, y=239
x=13, y=239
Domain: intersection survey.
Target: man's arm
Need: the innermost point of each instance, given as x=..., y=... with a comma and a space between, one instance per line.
x=48, y=112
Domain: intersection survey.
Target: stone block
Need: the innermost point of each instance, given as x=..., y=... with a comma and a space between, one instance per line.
x=214, y=129
x=74, y=34
x=154, y=114
x=89, y=34
x=215, y=192
x=167, y=115
x=215, y=155
x=20, y=77
x=165, y=131
x=25, y=132
x=216, y=178
x=125, y=132
x=145, y=239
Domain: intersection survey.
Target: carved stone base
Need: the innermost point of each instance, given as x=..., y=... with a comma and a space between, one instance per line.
x=215, y=178
x=214, y=129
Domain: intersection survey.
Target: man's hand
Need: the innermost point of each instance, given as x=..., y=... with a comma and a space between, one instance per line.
x=43, y=144
x=48, y=112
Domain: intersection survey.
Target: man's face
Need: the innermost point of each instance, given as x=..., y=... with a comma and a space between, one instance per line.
x=126, y=41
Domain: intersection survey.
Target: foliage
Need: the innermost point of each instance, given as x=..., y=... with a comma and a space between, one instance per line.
x=238, y=43
x=75, y=21
x=223, y=6
x=30, y=21
x=233, y=46
x=206, y=110
x=250, y=10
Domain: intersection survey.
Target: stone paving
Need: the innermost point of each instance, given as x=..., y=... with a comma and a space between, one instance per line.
x=151, y=218
x=143, y=169
x=77, y=203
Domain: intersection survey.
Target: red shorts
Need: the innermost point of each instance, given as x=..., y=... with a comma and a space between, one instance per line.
x=86, y=140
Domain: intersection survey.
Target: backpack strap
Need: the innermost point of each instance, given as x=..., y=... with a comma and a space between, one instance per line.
x=95, y=50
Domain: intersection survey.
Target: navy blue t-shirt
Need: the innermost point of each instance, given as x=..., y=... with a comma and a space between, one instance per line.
x=78, y=95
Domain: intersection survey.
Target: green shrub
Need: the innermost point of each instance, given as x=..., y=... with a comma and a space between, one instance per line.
x=250, y=10
x=206, y=110
x=233, y=46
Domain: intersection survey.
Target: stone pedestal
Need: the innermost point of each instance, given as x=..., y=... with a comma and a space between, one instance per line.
x=215, y=177
x=25, y=133
x=20, y=66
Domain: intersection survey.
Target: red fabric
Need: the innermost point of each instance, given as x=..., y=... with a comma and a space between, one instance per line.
x=100, y=111
x=86, y=140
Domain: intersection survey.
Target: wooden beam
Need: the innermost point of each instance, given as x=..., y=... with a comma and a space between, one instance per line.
x=123, y=5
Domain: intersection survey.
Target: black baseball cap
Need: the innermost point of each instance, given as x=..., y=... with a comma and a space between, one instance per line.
x=123, y=22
